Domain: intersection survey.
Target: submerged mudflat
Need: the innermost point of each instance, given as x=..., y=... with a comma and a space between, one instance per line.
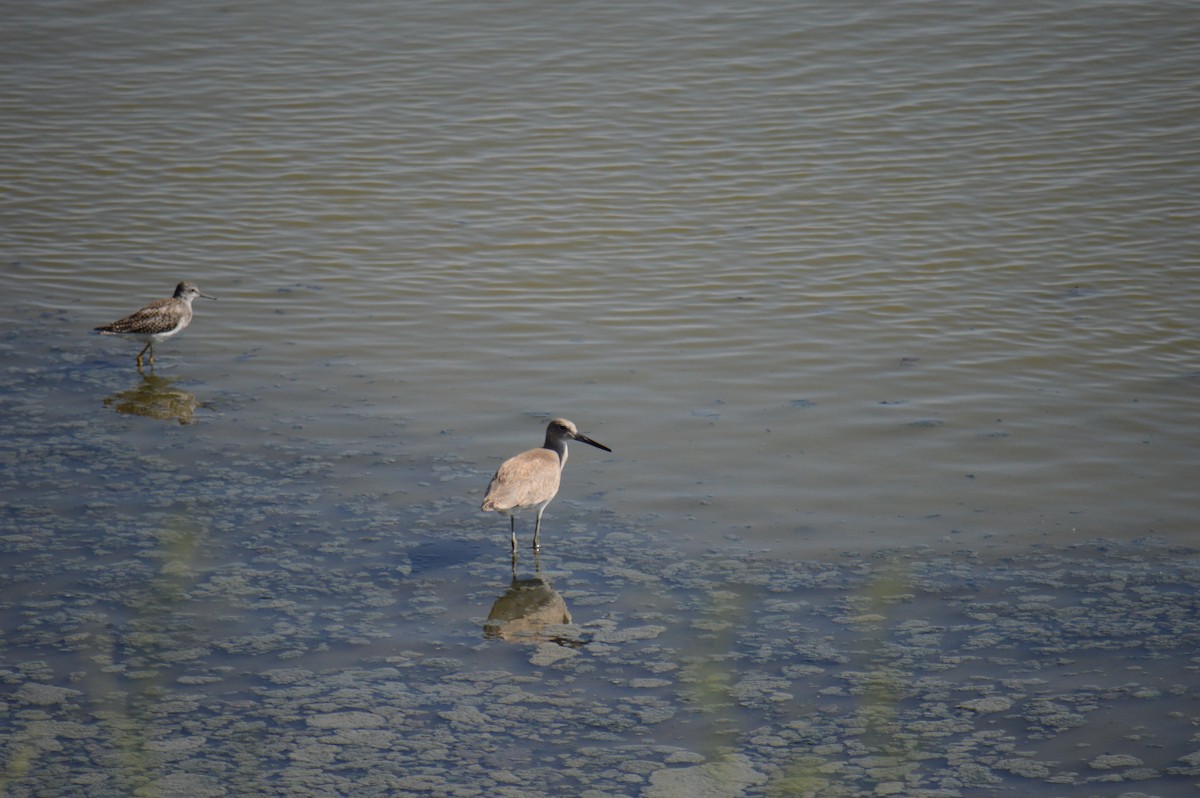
x=183, y=616
x=173, y=657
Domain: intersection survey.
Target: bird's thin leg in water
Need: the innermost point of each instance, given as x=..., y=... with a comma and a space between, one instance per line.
x=537, y=530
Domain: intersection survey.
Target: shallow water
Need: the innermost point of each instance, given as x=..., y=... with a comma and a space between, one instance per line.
x=858, y=295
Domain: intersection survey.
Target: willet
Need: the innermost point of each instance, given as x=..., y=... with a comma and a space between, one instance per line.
x=531, y=478
x=159, y=320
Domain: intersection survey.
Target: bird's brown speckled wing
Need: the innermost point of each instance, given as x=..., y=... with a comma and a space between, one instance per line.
x=157, y=317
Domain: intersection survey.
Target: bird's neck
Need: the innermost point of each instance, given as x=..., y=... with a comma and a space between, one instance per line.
x=559, y=448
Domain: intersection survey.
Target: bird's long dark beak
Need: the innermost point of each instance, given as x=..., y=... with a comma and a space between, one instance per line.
x=206, y=296
x=586, y=439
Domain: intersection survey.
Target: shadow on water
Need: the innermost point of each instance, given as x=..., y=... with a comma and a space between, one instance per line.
x=435, y=556
x=156, y=397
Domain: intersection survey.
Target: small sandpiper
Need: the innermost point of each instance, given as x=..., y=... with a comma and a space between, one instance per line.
x=159, y=320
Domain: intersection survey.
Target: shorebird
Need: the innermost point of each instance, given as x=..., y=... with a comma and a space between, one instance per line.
x=159, y=320
x=531, y=478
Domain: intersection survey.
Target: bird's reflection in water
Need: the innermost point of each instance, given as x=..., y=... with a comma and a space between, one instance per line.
x=530, y=611
x=156, y=397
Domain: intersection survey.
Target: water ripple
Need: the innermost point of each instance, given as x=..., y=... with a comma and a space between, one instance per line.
x=632, y=214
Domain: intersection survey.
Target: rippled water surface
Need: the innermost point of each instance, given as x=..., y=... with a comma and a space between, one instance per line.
x=827, y=278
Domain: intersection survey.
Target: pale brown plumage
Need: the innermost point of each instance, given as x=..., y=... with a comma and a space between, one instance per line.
x=159, y=320
x=531, y=478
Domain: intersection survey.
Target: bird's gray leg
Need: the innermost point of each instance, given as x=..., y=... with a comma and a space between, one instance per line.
x=512, y=522
x=537, y=529
x=144, y=348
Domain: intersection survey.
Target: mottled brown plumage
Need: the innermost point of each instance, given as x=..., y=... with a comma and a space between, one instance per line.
x=531, y=478
x=159, y=320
